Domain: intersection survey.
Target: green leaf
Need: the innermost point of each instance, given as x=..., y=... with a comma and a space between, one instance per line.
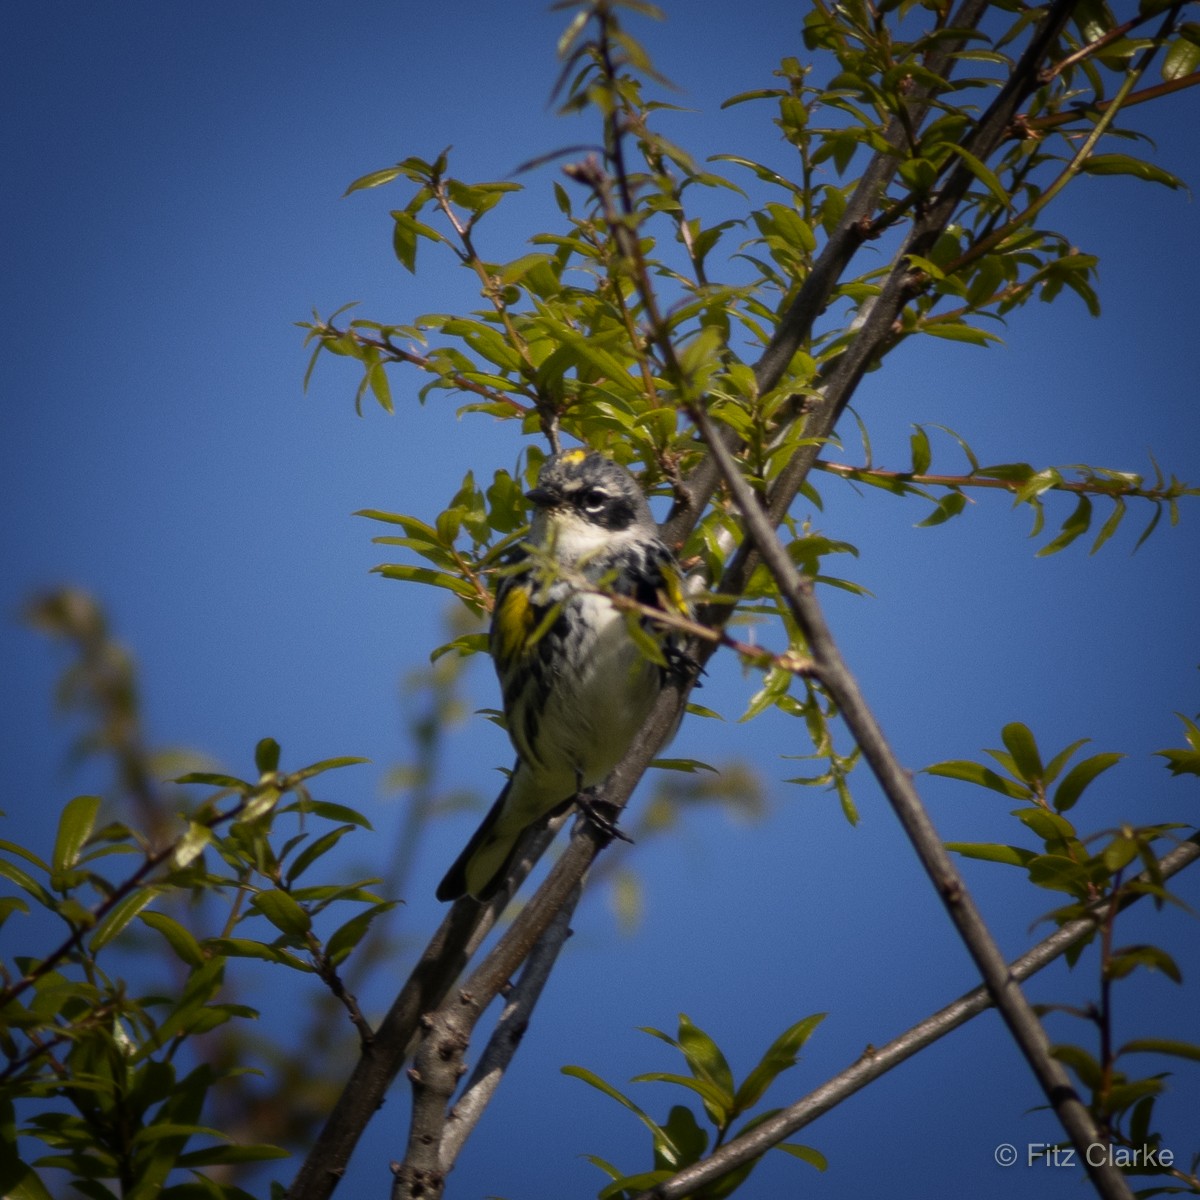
x=1182, y=761
x=1187, y=1050
x=319, y=768
x=120, y=916
x=958, y=331
x=1059, y=873
x=1079, y=522
x=266, y=756
x=193, y=843
x=329, y=811
x=1012, y=856
x=225, y=1156
x=1079, y=777
x=590, y=1077
x=984, y=174
x=1081, y=1062
x=314, y=850
x=922, y=455
x=982, y=776
x=704, y=1057
x=1129, y=958
x=347, y=937
x=1110, y=525
x=1021, y=745
x=780, y=1056
x=18, y=1180
x=26, y=882
x=283, y=912
x=685, y=1132
x=807, y=1154
x=950, y=505
x=214, y=779
x=1183, y=54
x=373, y=180
x=1124, y=164
x=74, y=828
x=249, y=948
x=178, y=937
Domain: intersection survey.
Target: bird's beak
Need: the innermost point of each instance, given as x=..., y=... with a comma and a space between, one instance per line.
x=541, y=497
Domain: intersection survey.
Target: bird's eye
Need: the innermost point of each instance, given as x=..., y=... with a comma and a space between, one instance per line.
x=593, y=500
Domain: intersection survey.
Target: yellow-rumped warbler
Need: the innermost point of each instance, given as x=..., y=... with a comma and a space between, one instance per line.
x=576, y=684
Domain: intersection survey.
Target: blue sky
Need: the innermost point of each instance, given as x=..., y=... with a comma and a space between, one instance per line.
x=172, y=205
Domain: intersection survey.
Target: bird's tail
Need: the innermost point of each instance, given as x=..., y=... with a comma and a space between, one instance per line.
x=483, y=866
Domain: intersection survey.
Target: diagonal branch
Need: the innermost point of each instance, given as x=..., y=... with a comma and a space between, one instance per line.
x=453, y=945
x=897, y=785
x=750, y=1145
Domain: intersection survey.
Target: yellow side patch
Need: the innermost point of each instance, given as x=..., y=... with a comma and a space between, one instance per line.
x=673, y=587
x=513, y=622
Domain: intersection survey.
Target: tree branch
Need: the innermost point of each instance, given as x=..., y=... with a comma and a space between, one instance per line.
x=507, y=1035
x=897, y=785
x=451, y=948
x=876, y=1062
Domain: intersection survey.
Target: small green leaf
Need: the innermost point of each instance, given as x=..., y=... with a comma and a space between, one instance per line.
x=119, y=916
x=227, y=1156
x=347, y=937
x=950, y=505
x=214, y=779
x=780, y=1056
x=249, y=948
x=26, y=882
x=74, y=828
x=922, y=455
x=1021, y=745
x=1187, y=1050
x=1012, y=856
x=1079, y=522
x=1124, y=164
x=704, y=1057
x=192, y=844
x=283, y=912
x=977, y=773
x=266, y=756
x=178, y=937
x=590, y=1077
x=1129, y=958
x=984, y=174
x=1079, y=777
x=314, y=850
x=1183, y=54
x=807, y=1154
x=373, y=180
x=319, y=768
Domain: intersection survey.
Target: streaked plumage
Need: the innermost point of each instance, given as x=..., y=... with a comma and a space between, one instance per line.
x=576, y=686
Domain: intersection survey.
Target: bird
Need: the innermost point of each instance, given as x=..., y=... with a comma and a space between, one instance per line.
x=576, y=675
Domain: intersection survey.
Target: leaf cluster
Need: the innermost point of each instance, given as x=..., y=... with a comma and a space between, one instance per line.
x=682, y=1140
x=111, y=1077
x=1094, y=873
